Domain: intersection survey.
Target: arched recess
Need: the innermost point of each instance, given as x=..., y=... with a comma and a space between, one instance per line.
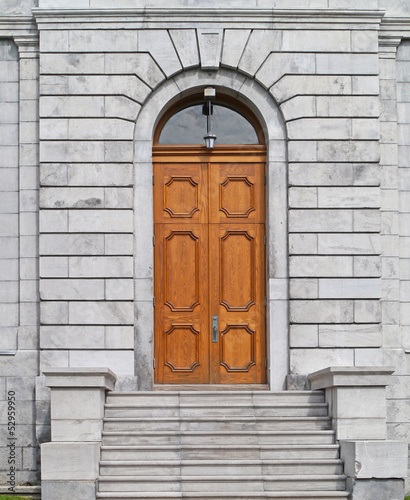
x=261, y=103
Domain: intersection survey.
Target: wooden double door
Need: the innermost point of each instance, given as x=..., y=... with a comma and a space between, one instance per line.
x=209, y=226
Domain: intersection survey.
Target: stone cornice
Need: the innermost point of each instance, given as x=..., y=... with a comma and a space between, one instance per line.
x=27, y=44
x=210, y=15
x=10, y=25
x=392, y=31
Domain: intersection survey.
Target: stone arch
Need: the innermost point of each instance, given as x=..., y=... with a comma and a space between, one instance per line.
x=262, y=104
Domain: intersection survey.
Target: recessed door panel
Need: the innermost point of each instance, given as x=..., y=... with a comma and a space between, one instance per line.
x=181, y=303
x=240, y=308
x=181, y=259
x=236, y=190
x=237, y=263
x=209, y=269
x=180, y=193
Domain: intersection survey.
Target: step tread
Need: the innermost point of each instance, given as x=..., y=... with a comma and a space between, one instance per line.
x=219, y=433
x=226, y=461
x=223, y=446
x=215, y=418
x=242, y=477
x=213, y=393
x=305, y=404
x=222, y=495
x=220, y=405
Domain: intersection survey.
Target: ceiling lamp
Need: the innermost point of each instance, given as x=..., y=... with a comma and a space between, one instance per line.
x=207, y=109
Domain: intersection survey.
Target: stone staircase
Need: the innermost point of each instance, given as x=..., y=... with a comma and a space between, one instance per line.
x=219, y=445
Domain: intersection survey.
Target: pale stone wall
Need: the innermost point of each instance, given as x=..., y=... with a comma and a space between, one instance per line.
x=18, y=255
x=9, y=198
x=330, y=104
x=400, y=409
x=328, y=81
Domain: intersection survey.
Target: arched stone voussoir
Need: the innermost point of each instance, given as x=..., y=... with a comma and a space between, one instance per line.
x=279, y=64
x=232, y=83
x=159, y=44
x=263, y=105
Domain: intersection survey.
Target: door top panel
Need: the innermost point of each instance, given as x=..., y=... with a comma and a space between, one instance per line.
x=183, y=154
x=209, y=192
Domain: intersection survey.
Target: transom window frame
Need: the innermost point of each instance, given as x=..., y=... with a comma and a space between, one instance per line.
x=222, y=100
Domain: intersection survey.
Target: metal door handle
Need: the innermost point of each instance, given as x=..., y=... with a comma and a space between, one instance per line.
x=215, y=328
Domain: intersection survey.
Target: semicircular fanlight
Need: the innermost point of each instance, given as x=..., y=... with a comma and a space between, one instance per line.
x=188, y=126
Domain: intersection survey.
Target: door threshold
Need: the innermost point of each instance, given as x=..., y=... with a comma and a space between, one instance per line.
x=211, y=387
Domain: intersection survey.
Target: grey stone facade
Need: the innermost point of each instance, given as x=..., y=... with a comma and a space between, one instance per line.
x=82, y=88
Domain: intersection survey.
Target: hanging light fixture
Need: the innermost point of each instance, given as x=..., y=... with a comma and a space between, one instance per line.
x=207, y=109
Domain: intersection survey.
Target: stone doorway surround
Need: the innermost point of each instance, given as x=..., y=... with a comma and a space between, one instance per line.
x=108, y=117
x=253, y=95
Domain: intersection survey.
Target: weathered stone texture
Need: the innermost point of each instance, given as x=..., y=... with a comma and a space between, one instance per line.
x=347, y=226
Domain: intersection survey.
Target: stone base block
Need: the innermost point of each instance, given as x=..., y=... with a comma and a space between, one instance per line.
x=76, y=430
x=70, y=462
x=376, y=489
x=359, y=428
x=127, y=383
x=297, y=382
x=374, y=459
x=68, y=490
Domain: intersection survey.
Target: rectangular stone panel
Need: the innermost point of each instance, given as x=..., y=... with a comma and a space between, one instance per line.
x=324, y=174
x=350, y=336
x=73, y=289
x=349, y=197
x=311, y=41
x=305, y=361
x=54, y=313
x=119, y=337
x=121, y=362
x=320, y=128
x=349, y=244
x=350, y=288
x=321, y=311
x=351, y=64
x=291, y=85
x=320, y=221
x=74, y=151
x=350, y=151
x=71, y=63
x=100, y=267
x=101, y=221
x=101, y=313
x=72, y=244
x=352, y=106
x=72, y=337
x=103, y=40
x=65, y=461
x=317, y=266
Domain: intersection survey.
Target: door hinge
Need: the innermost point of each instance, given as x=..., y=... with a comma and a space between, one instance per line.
x=153, y=179
x=153, y=241
x=264, y=179
x=153, y=301
x=153, y=363
x=266, y=363
x=264, y=240
x=266, y=301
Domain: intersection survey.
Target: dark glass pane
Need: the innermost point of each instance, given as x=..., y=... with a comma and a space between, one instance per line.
x=188, y=126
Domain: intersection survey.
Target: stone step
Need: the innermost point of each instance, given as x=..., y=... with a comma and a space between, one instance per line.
x=203, y=445
x=194, y=410
x=247, y=495
x=215, y=398
x=215, y=483
x=208, y=452
x=219, y=437
x=220, y=467
x=217, y=423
